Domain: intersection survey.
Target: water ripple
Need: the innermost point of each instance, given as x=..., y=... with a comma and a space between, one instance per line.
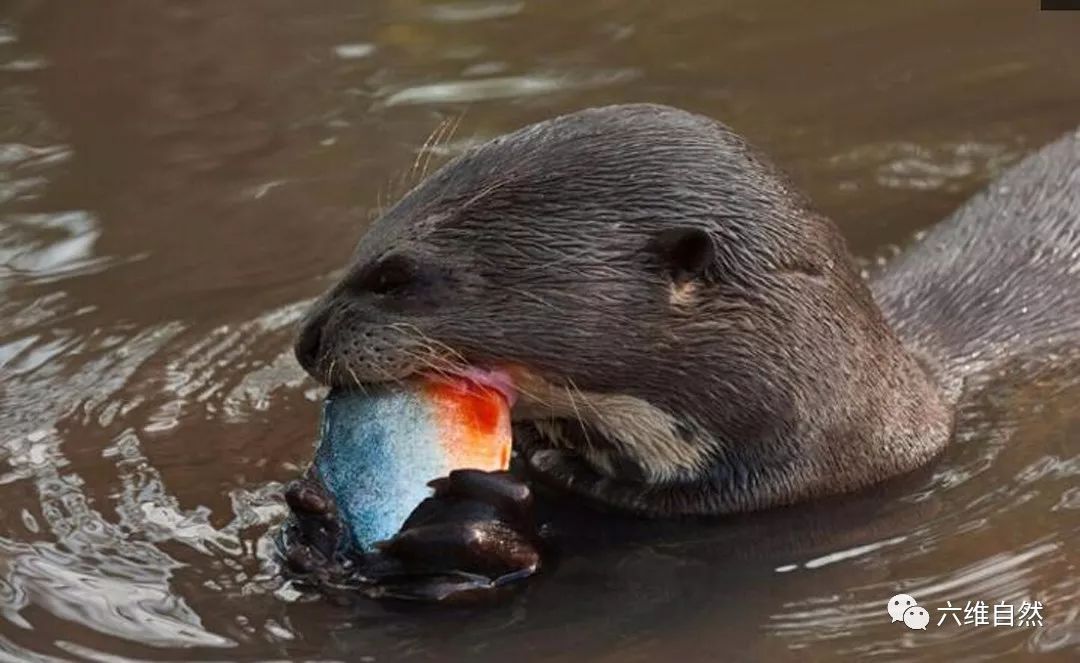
x=485, y=89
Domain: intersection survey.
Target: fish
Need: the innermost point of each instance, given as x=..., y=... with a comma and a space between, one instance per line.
x=379, y=448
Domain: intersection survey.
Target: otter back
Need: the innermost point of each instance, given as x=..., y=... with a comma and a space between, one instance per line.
x=1000, y=277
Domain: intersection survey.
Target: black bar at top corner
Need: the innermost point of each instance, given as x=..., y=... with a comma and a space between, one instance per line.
x=1059, y=4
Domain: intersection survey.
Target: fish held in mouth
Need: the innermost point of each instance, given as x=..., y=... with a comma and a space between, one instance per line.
x=379, y=448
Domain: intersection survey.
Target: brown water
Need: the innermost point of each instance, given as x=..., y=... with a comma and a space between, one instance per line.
x=177, y=179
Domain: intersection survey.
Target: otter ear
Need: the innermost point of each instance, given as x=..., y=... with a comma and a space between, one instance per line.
x=685, y=252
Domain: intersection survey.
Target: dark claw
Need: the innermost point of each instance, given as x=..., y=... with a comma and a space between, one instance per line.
x=306, y=496
x=304, y=560
x=490, y=547
x=509, y=495
x=317, y=523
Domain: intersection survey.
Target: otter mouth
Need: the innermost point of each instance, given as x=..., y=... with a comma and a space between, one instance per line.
x=576, y=457
x=497, y=380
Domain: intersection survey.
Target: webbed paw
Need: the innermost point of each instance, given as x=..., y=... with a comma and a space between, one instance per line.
x=312, y=542
x=471, y=540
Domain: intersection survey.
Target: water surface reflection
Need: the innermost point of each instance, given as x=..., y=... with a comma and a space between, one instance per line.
x=177, y=180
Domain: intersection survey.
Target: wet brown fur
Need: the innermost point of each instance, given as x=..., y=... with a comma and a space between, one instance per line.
x=769, y=374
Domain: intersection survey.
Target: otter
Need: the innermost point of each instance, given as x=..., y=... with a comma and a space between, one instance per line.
x=686, y=334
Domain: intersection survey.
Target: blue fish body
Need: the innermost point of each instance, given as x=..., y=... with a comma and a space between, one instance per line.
x=375, y=455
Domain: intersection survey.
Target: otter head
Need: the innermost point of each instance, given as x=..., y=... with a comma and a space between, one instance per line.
x=683, y=333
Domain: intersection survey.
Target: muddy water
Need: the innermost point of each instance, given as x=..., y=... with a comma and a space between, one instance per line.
x=178, y=178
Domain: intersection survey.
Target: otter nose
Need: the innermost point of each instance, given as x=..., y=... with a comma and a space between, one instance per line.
x=308, y=347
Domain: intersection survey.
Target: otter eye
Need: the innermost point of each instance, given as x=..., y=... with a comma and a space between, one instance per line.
x=685, y=252
x=390, y=275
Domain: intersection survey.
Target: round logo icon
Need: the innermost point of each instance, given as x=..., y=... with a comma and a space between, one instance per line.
x=916, y=617
x=898, y=604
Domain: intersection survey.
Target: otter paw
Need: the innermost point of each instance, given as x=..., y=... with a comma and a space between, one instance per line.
x=311, y=543
x=471, y=540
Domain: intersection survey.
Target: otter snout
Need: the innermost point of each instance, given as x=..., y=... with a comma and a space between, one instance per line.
x=308, y=345
x=346, y=341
